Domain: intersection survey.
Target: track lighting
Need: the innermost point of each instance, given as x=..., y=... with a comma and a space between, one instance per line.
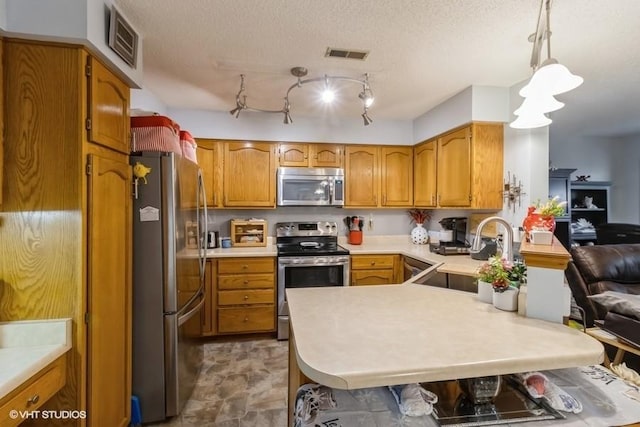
x=366, y=118
x=550, y=78
x=328, y=94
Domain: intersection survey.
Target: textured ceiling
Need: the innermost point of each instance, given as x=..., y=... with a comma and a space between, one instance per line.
x=421, y=53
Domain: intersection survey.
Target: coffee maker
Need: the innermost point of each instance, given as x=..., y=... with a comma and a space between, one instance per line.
x=457, y=244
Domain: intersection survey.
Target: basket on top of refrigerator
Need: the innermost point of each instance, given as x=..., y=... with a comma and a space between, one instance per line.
x=155, y=133
x=188, y=145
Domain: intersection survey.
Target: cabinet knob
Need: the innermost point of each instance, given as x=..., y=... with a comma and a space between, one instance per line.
x=246, y=319
x=244, y=267
x=246, y=282
x=246, y=297
x=33, y=400
x=373, y=263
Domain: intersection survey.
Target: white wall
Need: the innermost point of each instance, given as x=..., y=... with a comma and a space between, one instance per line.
x=269, y=127
x=3, y=14
x=625, y=177
x=453, y=112
x=145, y=100
x=72, y=21
x=526, y=154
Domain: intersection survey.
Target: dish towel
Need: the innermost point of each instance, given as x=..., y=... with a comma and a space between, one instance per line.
x=538, y=386
x=413, y=400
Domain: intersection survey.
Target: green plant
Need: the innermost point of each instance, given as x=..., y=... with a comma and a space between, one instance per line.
x=518, y=272
x=501, y=273
x=552, y=207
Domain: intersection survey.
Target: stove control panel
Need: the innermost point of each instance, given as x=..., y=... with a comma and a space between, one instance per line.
x=311, y=228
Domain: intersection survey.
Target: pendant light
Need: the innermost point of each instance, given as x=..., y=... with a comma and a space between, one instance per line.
x=550, y=78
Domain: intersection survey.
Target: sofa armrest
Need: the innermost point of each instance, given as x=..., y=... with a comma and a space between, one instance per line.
x=580, y=293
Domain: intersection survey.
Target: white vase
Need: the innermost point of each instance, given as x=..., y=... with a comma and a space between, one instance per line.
x=485, y=292
x=507, y=300
x=419, y=236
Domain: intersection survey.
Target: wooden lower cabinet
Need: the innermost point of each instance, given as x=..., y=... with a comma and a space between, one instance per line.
x=34, y=392
x=375, y=270
x=245, y=296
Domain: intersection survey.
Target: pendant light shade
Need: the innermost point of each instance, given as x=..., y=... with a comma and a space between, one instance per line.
x=551, y=79
x=542, y=104
x=530, y=121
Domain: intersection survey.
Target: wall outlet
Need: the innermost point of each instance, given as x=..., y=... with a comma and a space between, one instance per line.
x=370, y=223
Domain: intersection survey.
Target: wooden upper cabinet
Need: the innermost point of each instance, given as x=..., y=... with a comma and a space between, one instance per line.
x=311, y=155
x=362, y=175
x=470, y=167
x=208, y=153
x=424, y=174
x=454, y=168
x=396, y=176
x=326, y=155
x=108, y=116
x=292, y=154
x=249, y=174
x=487, y=169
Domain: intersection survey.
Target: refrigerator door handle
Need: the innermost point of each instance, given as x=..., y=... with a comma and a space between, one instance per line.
x=186, y=316
x=201, y=203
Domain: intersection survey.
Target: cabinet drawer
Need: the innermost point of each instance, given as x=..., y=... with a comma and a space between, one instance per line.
x=246, y=265
x=371, y=262
x=372, y=277
x=246, y=319
x=254, y=296
x=247, y=281
x=36, y=393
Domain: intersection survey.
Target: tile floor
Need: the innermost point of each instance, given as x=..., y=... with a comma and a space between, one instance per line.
x=241, y=384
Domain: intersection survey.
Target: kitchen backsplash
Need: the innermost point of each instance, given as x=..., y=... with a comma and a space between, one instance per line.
x=385, y=221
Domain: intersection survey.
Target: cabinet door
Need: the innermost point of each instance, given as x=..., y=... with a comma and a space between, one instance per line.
x=294, y=155
x=108, y=122
x=454, y=168
x=210, y=299
x=424, y=174
x=487, y=165
x=109, y=291
x=249, y=174
x=362, y=175
x=207, y=153
x=396, y=176
x=326, y=155
x=1, y=119
x=372, y=277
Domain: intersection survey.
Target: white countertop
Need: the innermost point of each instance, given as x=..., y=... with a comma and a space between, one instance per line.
x=367, y=336
x=456, y=264
x=28, y=346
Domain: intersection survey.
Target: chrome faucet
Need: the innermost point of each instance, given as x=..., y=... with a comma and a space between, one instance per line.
x=507, y=244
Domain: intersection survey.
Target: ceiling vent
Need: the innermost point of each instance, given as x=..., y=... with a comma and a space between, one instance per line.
x=122, y=38
x=347, y=54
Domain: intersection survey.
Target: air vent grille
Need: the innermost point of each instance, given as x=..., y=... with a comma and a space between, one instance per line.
x=122, y=38
x=347, y=53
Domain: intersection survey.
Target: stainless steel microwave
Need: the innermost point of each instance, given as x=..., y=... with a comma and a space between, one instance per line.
x=310, y=186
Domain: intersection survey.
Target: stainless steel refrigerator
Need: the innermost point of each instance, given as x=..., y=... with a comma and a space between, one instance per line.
x=168, y=281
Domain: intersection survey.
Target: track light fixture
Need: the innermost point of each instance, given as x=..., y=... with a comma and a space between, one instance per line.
x=328, y=94
x=550, y=78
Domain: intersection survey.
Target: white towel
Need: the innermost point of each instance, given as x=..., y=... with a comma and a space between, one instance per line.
x=413, y=400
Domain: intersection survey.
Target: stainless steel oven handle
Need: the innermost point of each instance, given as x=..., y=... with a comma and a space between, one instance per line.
x=315, y=260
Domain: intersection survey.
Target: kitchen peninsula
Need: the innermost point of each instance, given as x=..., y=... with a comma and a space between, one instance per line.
x=357, y=337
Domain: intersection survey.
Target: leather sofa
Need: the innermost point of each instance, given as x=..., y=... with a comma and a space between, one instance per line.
x=600, y=268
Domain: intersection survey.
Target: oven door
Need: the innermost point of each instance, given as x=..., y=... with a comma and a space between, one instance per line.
x=307, y=272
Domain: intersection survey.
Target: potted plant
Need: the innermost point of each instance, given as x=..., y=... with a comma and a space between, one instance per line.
x=498, y=282
x=542, y=216
x=419, y=235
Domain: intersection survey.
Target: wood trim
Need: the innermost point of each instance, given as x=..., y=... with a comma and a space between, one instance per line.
x=553, y=256
x=296, y=378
